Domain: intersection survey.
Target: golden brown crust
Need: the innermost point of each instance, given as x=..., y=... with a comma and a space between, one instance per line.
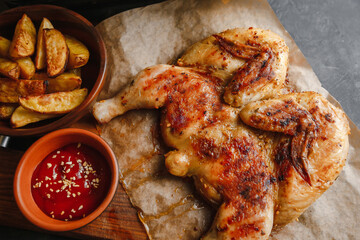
x=24, y=39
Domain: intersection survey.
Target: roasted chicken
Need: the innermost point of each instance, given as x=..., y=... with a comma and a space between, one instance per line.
x=257, y=153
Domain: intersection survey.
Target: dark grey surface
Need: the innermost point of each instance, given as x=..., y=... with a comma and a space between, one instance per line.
x=327, y=32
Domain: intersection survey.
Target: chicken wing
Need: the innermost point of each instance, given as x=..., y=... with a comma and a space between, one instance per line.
x=315, y=144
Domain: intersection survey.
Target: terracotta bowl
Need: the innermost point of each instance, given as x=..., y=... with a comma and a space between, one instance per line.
x=36, y=153
x=93, y=73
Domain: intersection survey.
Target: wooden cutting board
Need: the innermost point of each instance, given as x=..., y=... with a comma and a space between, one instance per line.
x=118, y=221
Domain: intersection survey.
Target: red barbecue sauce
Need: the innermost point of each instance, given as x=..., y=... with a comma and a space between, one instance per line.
x=71, y=182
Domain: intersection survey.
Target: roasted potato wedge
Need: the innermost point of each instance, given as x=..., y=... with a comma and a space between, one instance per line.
x=64, y=82
x=23, y=43
x=57, y=52
x=27, y=67
x=6, y=109
x=11, y=90
x=54, y=103
x=8, y=90
x=9, y=68
x=31, y=87
x=40, y=57
x=22, y=117
x=4, y=47
x=78, y=53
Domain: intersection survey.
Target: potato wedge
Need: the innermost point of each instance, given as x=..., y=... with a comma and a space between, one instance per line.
x=23, y=43
x=4, y=47
x=64, y=82
x=9, y=68
x=22, y=117
x=8, y=90
x=40, y=57
x=54, y=103
x=78, y=53
x=11, y=90
x=27, y=67
x=31, y=87
x=56, y=50
x=6, y=109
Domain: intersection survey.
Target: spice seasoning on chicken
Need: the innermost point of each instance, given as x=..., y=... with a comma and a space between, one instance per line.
x=70, y=182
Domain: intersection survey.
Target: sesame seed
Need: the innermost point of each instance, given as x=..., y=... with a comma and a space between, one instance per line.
x=66, y=219
x=67, y=170
x=58, y=152
x=59, y=181
x=62, y=213
x=79, y=161
x=81, y=207
x=54, y=156
x=49, y=165
x=73, y=211
x=78, y=153
x=52, y=216
x=78, y=193
x=51, y=190
x=74, y=195
x=85, y=176
x=46, y=185
x=85, y=164
x=57, y=190
x=68, y=163
x=70, y=216
x=79, y=145
x=52, y=212
x=47, y=178
x=62, y=163
x=63, y=156
x=48, y=195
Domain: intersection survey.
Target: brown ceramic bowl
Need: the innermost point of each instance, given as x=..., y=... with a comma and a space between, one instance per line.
x=36, y=153
x=93, y=73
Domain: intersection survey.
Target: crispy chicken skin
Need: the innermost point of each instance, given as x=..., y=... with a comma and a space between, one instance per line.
x=258, y=156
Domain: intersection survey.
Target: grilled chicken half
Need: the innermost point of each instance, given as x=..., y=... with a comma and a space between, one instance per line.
x=260, y=156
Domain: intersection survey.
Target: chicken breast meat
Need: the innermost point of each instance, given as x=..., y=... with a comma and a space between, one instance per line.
x=257, y=153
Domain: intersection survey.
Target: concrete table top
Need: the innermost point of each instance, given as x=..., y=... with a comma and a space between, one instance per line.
x=327, y=32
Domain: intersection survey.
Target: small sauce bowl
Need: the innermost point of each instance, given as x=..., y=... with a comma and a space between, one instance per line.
x=36, y=154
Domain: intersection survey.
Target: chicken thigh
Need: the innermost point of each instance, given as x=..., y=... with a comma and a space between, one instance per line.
x=258, y=156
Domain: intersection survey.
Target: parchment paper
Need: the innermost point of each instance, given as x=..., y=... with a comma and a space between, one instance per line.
x=169, y=207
